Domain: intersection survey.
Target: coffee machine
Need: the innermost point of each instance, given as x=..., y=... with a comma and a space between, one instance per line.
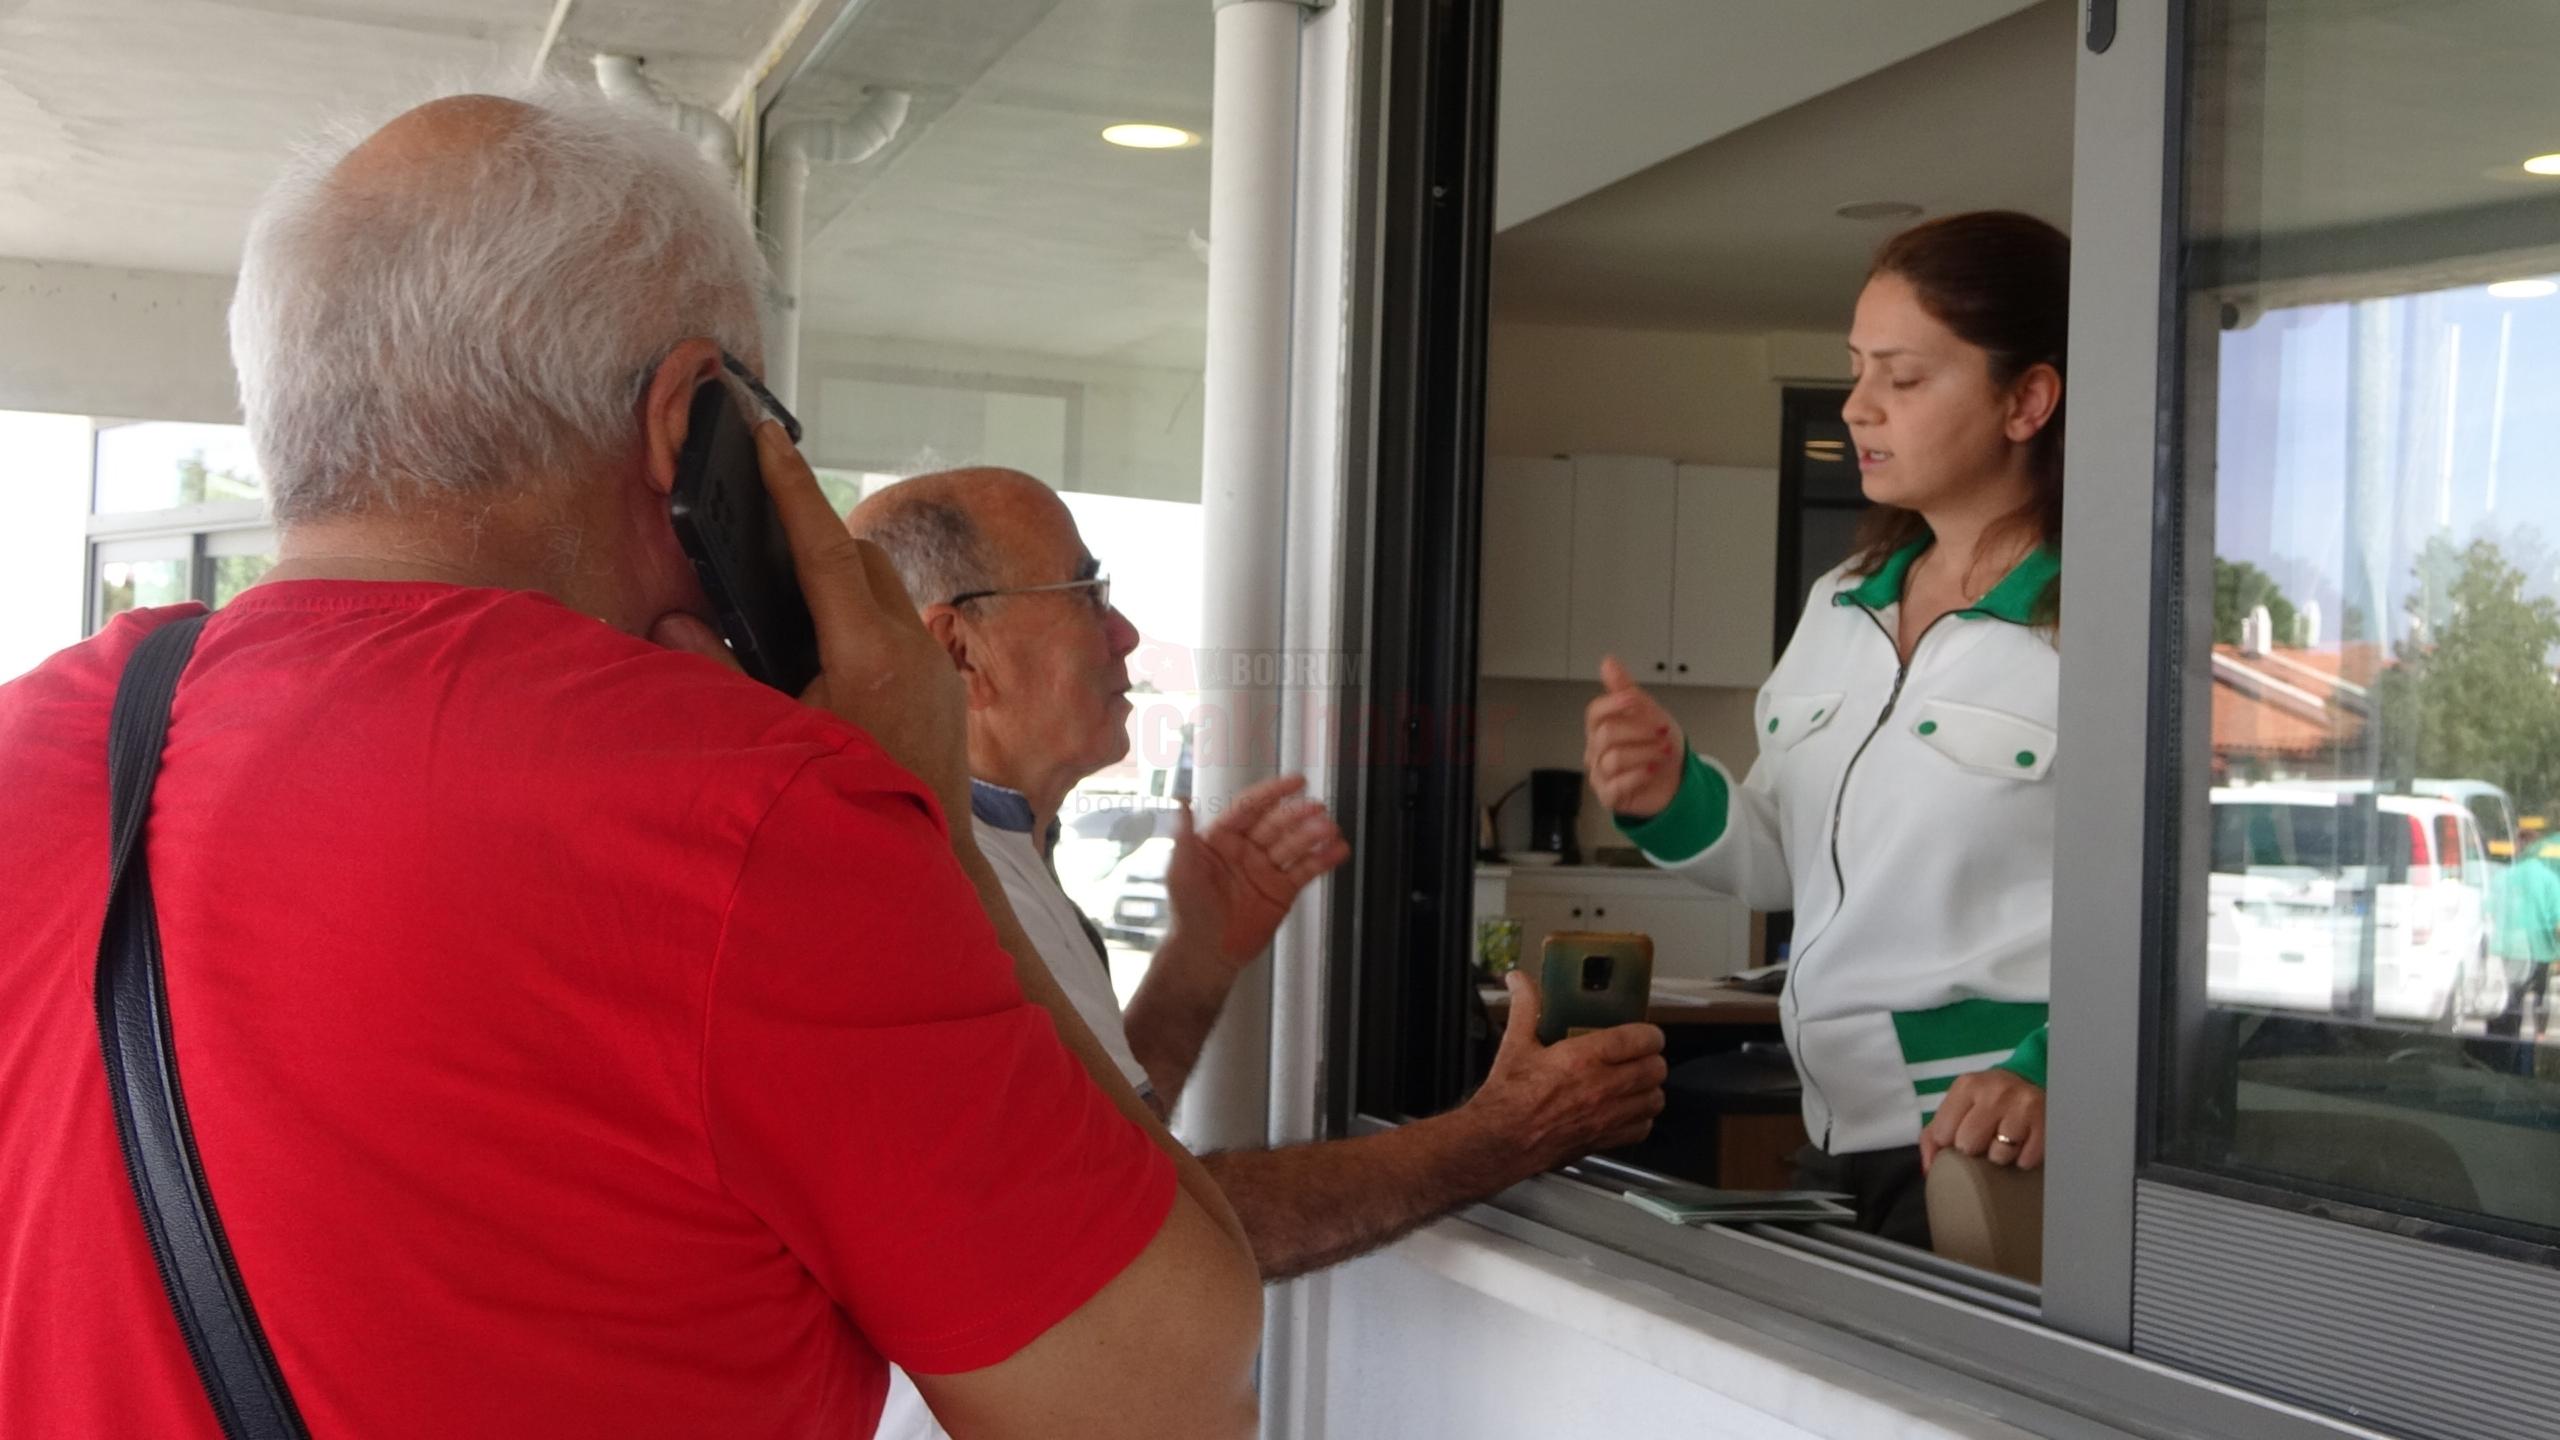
x=1555, y=808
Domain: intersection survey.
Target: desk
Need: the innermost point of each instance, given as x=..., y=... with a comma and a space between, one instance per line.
x=1675, y=1002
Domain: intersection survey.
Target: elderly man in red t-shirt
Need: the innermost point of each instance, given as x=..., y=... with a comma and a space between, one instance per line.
x=580, y=1039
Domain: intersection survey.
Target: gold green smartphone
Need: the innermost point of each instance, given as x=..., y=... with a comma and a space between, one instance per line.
x=1591, y=980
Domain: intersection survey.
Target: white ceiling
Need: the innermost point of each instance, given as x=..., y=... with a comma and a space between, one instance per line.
x=1738, y=234
x=2351, y=120
x=140, y=132
x=1595, y=90
x=1676, y=160
x=1000, y=219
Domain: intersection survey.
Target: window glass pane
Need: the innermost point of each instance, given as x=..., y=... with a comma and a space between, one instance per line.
x=160, y=464
x=2372, y=361
x=1670, y=479
x=139, y=584
x=44, y=555
x=235, y=573
x=237, y=560
x=1000, y=285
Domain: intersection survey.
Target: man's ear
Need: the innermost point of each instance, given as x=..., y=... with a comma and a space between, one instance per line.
x=666, y=408
x=952, y=629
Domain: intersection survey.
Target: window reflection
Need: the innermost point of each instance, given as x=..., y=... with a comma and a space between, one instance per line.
x=2371, y=406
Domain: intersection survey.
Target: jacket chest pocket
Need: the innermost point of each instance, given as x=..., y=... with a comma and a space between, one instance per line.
x=1985, y=741
x=1785, y=720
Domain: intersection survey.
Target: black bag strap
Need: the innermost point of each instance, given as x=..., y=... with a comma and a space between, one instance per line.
x=212, y=1304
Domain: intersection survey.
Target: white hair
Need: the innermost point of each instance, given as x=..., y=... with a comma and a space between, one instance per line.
x=404, y=342
x=934, y=545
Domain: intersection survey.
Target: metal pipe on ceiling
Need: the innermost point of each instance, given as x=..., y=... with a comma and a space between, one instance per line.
x=795, y=149
x=550, y=38
x=619, y=77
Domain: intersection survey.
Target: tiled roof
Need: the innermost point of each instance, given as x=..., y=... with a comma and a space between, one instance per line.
x=2294, y=704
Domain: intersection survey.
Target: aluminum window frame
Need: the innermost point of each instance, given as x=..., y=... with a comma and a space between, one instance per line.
x=2289, y=1288
x=2072, y=1371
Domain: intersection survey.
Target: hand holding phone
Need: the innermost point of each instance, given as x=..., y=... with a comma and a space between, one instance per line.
x=1543, y=1104
x=730, y=529
x=870, y=662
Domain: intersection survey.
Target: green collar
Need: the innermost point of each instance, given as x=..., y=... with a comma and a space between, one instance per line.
x=2013, y=599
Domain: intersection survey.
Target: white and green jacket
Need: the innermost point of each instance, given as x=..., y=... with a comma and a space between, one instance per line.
x=1906, y=815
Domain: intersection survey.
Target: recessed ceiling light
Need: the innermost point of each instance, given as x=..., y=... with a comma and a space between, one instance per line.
x=2543, y=165
x=1878, y=210
x=2525, y=289
x=1150, y=137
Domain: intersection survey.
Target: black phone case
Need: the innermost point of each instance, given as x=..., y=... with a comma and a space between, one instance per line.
x=729, y=528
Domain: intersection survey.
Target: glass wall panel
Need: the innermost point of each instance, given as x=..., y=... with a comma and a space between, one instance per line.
x=138, y=574
x=236, y=560
x=1017, y=278
x=162, y=464
x=2372, y=403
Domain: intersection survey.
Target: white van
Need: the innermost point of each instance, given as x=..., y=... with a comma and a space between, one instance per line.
x=2302, y=874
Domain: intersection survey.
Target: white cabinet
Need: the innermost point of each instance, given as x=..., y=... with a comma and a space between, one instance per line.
x=1527, y=580
x=1724, y=580
x=1622, y=563
x=1697, y=934
x=1672, y=568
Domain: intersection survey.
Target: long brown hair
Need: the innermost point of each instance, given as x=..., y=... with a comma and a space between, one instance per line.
x=2002, y=282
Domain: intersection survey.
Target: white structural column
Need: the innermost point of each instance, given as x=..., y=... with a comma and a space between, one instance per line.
x=1294, y=1314
x=1244, y=468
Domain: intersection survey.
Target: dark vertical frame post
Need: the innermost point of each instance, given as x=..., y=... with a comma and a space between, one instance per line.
x=1414, y=833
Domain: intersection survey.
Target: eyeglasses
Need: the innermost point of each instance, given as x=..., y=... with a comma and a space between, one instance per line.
x=1097, y=590
x=773, y=407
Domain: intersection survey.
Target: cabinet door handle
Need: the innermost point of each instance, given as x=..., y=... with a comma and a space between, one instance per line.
x=1659, y=666
x=1599, y=911
x=1684, y=667
x=1577, y=912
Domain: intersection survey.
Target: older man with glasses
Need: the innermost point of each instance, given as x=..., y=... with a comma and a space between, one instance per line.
x=1004, y=580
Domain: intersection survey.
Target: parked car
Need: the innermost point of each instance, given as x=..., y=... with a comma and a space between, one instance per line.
x=2490, y=986
x=1094, y=837
x=1110, y=859
x=2335, y=900
x=1139, y=911
x=2491, y=808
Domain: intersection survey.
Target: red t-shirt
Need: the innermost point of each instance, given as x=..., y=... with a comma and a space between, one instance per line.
x=581, y=1040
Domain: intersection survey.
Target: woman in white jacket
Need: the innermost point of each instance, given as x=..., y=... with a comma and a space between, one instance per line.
x=1901, y=803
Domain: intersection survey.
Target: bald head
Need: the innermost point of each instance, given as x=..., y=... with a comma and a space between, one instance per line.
x=424, y=146
x=1045, y=664
x=955, y=531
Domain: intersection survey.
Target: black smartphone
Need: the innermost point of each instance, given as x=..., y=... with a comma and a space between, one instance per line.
x=728, y=526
